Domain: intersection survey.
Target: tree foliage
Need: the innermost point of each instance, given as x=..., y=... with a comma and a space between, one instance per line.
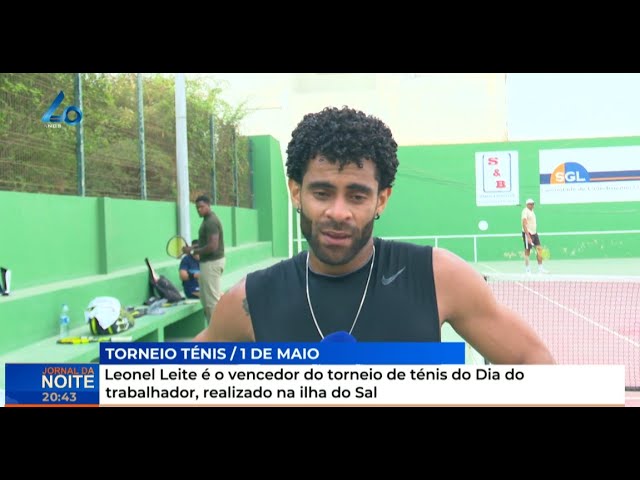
x=40, y=157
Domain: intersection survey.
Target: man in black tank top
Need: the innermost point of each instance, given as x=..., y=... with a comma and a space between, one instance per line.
x=351, y=286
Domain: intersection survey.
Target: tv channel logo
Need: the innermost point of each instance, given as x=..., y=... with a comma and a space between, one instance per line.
x=49, y=116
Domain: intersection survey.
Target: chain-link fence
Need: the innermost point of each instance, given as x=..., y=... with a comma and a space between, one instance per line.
x=124, y=144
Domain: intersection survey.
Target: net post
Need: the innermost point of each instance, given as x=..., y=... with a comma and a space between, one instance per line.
x=486, y=279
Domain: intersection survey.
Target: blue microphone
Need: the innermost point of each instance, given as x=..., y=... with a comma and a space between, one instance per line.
x=339, y=337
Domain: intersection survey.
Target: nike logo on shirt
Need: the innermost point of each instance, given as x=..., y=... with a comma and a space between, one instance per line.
x=387, y=281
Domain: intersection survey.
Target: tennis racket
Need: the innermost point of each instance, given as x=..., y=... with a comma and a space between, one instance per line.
x=545, y=253
x=5, y=281
x=154, y=275
x=174, y=246
x=92, y=339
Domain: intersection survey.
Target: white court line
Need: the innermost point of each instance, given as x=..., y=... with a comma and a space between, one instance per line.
x=577, y=314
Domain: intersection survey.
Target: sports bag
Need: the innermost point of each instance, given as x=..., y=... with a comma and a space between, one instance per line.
x=163, y=286
x=106, y=316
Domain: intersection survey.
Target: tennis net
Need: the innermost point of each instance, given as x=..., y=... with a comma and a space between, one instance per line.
x=584, y=320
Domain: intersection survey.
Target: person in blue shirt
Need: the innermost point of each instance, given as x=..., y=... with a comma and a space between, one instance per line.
x=189, y=273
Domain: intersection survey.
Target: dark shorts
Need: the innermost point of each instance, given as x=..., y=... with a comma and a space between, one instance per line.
x=534, y=238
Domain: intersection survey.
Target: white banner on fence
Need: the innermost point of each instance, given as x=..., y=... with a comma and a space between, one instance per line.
x=497, y=178
x=589, y=175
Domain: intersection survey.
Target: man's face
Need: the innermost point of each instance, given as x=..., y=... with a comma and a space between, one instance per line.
x=530, y=206
x=338, y=208
x=203, y=208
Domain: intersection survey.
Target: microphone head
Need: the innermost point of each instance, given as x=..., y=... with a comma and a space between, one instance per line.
x=339, y=337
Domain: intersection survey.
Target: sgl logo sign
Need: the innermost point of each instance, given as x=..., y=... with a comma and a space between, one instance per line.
x=70, y=115
x=569, y=172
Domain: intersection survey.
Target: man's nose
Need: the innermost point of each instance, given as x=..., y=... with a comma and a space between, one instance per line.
x=339, y=210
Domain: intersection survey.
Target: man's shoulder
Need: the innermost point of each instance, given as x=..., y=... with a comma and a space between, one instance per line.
x=211, y=218
x=286, y=263
x=399, y=245
x=212, y=222
x=391, y=252
x=277, y=268
x=188, y=261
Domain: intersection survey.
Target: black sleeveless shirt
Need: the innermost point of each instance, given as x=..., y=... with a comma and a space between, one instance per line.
x=400, y=305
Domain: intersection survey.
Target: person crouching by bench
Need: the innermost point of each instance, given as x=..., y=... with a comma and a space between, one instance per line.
x=190, y=272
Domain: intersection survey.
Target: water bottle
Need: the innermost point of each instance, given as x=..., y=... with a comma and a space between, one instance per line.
x=64, y=321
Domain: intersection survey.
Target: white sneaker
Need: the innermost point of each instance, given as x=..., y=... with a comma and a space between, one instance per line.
x=542, y=270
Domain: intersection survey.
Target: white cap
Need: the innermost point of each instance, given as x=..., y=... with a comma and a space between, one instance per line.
x=530, y=200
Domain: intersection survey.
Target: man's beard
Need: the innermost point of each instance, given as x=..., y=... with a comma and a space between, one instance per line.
x=335, y=255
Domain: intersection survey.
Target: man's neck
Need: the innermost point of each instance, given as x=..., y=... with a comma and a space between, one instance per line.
x=356, y=263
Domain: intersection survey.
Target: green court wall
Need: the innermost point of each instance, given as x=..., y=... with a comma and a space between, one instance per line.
x=70, y=249
x=272, y=197
x=435, y=194
x=51, y=238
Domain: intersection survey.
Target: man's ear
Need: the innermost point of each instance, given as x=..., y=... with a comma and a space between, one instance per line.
x=294, y=192
x=383, y=198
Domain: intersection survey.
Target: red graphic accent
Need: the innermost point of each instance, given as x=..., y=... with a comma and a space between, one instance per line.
x=501, y=184
x=496, y=173
x=492, y=161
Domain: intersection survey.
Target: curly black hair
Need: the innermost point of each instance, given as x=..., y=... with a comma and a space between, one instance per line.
x=345, y=136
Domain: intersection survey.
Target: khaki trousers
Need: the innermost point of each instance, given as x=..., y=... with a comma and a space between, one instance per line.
x=210, y=285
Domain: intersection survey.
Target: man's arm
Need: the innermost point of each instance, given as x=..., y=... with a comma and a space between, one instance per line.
x=184, y=275
x=468, y=304
x=231, y=321
x=210, y=247
x=525, y=229
x=184, y=269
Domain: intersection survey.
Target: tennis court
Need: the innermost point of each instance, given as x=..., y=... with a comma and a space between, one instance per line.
x=587, y=311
